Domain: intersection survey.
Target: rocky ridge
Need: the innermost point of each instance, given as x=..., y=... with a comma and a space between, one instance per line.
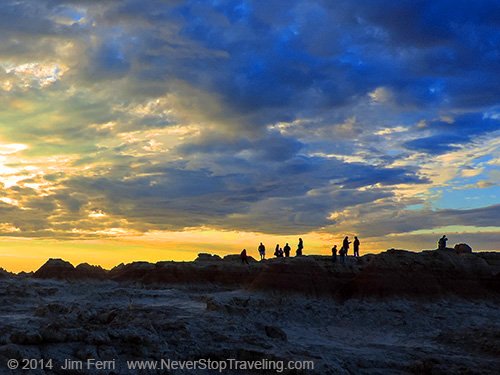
x=392, y=273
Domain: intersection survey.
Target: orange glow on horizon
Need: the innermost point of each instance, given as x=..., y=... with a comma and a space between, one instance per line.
x=29, y=254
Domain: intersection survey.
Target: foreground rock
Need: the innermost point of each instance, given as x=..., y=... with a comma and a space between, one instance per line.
x=107, y=320
x=429, y=274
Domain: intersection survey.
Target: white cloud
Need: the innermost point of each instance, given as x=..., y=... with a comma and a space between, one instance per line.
x=381, y=95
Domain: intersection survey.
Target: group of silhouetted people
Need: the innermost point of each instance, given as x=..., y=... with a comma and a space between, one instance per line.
x=281, y=252
x=342, y=253
x=278, y=251
x=345, y=249
x=285, y=251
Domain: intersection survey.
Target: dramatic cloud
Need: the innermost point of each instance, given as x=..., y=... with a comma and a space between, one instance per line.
x=375, y=117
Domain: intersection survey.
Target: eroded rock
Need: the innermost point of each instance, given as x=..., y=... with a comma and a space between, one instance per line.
x=463, y=248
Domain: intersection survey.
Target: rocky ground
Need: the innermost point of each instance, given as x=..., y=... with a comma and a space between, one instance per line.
x=124, y=315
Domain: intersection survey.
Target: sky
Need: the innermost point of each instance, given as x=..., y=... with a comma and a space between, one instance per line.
x=150, y=130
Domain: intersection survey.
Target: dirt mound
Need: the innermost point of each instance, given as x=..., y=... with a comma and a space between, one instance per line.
x=55, y=269
x=204, y=257
x=88, y=271
x=63, y=270
x=462, y=248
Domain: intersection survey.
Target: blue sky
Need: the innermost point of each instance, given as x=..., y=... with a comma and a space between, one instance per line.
x=380, y=118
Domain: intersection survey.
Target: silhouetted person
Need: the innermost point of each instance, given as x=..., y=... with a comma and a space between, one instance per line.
x=355, y=246
x=342, y=254
x=277, y=250
x=287, y=250
x=244, y=257
x=280, y=253
x=262, y=251
x=442, y=243
x=334, y=253
x=345, y=245
x=300, y=246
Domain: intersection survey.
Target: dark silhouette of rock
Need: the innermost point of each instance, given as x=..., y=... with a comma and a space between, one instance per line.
x=87, y=271
x=205, y=257
x=219, y=272
x=463, y=248
x=428, y=274
x=448, y=249
x=490, y=257
x=55, y=269
x=61, y=269
x=132, y=271
x=23, y=274
x=306, y=275
x=4, y=273
x=237, y=258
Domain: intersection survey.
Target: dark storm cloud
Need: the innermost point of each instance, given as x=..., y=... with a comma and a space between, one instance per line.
x=108, y=62
x=290, y=57
x=272, y=196
x=391, y=217
x=451, y=135
x=271, y=63
x=19, y=18
x=481, y=217
x=272, y=147
x=437, y=144
x=274, y=62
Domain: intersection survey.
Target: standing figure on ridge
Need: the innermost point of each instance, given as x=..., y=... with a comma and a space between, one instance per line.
x=286, y=250
x=345, y=245
x=244, y=257
x=342, y=253
x=300, y=246
x=442, y=243
x=262, y=251
x=277, y=250
x=334, y=253
x=355, y=246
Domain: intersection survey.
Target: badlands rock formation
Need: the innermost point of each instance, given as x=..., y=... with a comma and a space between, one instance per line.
x=428, y=274
x=397, y=312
